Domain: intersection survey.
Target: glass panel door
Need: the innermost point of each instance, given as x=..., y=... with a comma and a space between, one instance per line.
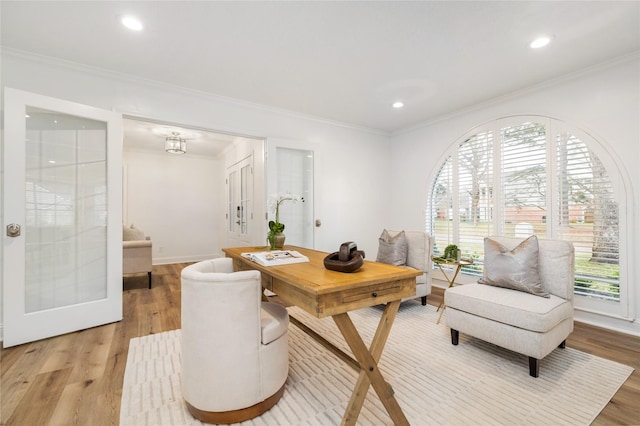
x=294, y=175
x=232, y=182
x=245, y=198
x=63, y=189
x=290, y=169
x=240, y=203
x=66, y=210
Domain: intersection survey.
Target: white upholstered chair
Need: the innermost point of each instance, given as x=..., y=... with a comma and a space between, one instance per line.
x=234, y=346
x=136, y=252
x=419, y=252
x=519, y=321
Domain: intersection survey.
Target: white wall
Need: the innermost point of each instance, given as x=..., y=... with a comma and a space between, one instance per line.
x=605, y=101
x=178, y=200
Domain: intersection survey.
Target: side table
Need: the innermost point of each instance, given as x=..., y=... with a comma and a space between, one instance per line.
x=457, y=265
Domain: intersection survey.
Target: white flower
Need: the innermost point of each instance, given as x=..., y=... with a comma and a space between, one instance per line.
x=274, y=201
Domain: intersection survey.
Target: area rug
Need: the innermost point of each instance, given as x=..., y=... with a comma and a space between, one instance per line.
x=435, y=382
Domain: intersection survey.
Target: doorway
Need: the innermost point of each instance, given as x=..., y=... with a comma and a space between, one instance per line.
x=178, y=199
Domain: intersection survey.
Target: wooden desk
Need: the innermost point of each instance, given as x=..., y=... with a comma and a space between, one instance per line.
x=323, y=293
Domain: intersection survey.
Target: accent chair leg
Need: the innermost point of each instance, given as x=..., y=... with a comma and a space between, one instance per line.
x=563, y=344
x=423, y=299
x=149, y=275
x=454, y=336
x=534, y=366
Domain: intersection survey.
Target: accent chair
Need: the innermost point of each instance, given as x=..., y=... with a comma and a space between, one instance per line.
x=235, y=358
x=515, y=313
x=419, y=249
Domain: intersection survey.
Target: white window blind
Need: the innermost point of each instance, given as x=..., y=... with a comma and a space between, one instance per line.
x=524, y=182
x=439, y=212
x=588, y=217
x=547, y=184
x=475, y=183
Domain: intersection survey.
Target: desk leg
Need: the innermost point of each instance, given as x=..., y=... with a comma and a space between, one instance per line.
x=369, y=372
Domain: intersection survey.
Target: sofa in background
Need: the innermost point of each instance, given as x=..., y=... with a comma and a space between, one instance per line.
x=136, y=252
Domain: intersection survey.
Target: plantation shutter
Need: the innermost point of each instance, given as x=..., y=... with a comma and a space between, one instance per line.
x=475, y=187
x=524, y=180
x=548, y=183
x=440, y=213
x=588, y=217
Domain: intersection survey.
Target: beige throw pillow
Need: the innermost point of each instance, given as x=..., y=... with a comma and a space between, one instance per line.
x=516, y=269
x=132, y=234
x=392, y=250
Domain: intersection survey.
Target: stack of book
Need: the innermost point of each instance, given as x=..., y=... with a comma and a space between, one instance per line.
x=276, y=257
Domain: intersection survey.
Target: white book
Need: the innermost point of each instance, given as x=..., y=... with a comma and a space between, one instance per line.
x=276, y=257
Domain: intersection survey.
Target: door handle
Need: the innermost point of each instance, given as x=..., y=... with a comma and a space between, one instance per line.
x=13, y=230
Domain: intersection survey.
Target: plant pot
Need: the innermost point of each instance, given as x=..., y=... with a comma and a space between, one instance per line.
x=276, y=242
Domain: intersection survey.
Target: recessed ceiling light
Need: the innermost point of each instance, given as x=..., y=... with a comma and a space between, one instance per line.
x=397, y=104
x=132, y=23
x=540, y=42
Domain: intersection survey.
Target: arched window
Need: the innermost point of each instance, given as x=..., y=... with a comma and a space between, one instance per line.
x=533, y=175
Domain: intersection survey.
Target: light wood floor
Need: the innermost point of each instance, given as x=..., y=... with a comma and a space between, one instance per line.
x=76, y=379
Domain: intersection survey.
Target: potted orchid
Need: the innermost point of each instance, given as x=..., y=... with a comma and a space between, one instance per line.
x=275, y=237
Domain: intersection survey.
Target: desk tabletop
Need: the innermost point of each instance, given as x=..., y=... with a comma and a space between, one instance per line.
x=323, y=292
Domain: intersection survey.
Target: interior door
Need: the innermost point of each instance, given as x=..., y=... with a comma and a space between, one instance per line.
x=62, y=237
x=290, y=169
x=240, y=203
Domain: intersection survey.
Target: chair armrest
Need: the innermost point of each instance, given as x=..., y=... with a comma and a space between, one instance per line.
x=136, y=244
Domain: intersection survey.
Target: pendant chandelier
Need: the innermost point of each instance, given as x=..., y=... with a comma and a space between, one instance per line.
x=174, y=144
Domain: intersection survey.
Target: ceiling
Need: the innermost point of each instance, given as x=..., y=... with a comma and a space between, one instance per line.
x=337, y=60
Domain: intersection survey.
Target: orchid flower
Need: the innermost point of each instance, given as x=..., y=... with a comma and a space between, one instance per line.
x=273, y=204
